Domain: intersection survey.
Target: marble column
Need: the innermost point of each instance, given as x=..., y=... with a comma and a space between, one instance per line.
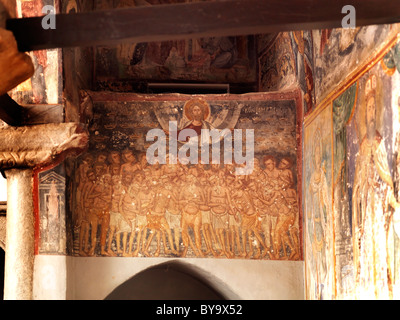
x=23, y=149
x=20, y=236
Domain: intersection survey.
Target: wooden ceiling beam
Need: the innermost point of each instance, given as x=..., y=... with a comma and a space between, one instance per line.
x=196, y=19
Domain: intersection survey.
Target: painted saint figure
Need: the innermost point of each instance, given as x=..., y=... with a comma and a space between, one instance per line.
x=373, y=193
x=319, y=227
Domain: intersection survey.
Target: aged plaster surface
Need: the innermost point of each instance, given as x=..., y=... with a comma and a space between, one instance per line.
x=39, y=145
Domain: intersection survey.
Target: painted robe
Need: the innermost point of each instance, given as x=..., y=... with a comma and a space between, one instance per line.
x=372, y=193
x=319, y=233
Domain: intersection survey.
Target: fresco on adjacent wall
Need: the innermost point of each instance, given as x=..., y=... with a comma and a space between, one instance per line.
x=51, y=211
x=318, y=215
x=364, y=184
x=342, y=113
x=45, y=86
x=286, y=60
x=212, y=59
x=303, y=46
x=123, y=206
x=339, y=52
x=215, y=60
x=276, y=63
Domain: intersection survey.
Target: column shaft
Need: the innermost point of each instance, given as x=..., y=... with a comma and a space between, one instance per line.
x=20, y=239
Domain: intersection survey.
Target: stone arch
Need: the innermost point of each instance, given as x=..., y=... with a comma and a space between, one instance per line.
x=168, y=281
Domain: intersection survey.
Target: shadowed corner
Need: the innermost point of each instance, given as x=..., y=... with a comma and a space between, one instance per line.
x=2, y=262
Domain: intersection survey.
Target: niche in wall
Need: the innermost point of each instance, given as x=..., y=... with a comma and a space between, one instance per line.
x=166, y=281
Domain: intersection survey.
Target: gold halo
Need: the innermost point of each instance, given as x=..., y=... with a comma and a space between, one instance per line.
x=199, y=102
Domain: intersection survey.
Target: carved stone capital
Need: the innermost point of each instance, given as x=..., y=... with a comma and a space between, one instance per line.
x=40, y=145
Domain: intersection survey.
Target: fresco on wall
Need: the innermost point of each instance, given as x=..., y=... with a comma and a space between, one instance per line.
x=391, y=66
x=212, y=59
x=339, y=52
x=364, y=184
x=124, y=206
x=45, y=86
x=216, y=60
x=276, y=63
x=319, y=228
x=303, y=44
x=51, y=211
x=286, y=60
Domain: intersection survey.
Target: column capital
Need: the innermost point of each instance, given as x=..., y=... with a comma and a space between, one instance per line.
x=40, y=145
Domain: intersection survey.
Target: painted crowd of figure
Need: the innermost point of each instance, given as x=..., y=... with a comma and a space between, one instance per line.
x=137, y=209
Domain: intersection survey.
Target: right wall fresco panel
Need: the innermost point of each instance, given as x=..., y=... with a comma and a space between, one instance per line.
x=352, y=226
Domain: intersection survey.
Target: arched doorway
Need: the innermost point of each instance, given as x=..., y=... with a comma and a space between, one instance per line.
x=166, y=281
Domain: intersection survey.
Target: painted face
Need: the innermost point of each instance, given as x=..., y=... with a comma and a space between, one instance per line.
x=98, y=169
x=115, y=171
x=107, y=179
x=371, y=113
x=284, y=164
x=256, y=163
x=197, y=113
x=115, y=179
x=101, y=158
x=88, y=160
x=270, y=164
x=115, y=157
x=128, y=178
x=130, y=157
x=139, y=178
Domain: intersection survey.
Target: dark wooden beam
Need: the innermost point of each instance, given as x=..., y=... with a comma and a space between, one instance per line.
x=196, y=19
x=10, y=111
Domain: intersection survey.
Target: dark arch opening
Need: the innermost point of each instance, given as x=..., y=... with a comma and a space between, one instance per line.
x=2, y=263
x=166, y=281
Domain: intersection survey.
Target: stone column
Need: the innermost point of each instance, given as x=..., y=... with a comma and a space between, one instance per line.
x=20, y=241
x=23, y=149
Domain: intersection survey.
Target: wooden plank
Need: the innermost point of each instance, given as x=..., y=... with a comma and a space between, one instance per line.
x=195, y=19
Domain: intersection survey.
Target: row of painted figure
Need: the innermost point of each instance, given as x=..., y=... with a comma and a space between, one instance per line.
x=136, y=209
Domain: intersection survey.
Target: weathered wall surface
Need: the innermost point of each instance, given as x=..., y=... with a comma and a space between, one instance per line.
x=108, y=188
x=339, y=53
x=46, y=84
x=350, y=167
x=285, y=60
x=235, y=279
